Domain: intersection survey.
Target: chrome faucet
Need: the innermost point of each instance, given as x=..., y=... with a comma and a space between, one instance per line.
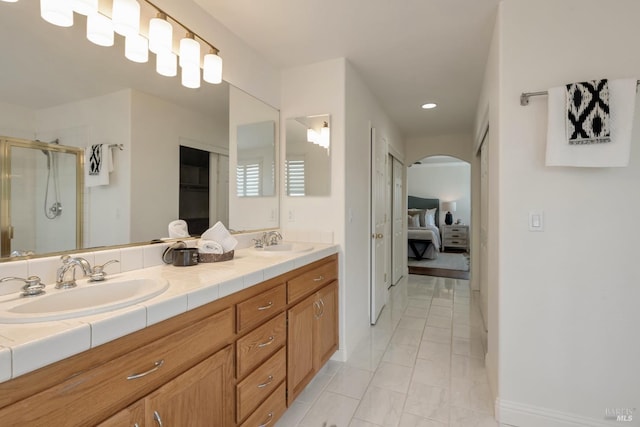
x=32, y=285
x=272, y=238
x=70, y=263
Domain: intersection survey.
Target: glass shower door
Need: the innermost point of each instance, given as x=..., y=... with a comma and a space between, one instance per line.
x=41, y=198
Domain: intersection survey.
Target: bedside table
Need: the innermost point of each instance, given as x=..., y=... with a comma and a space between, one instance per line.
x=455, y=236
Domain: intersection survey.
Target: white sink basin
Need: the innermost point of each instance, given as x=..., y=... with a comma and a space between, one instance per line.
x=286, y=248
x=88, y=298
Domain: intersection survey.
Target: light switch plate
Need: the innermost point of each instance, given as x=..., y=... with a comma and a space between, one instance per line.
x=536, y=221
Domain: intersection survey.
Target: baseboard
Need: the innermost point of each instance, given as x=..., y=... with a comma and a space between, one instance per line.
x=521, y=415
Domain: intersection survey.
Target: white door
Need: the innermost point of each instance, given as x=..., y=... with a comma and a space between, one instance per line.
x=484, y=227
x=388, y=241
x=378, y=189
x=397, y=223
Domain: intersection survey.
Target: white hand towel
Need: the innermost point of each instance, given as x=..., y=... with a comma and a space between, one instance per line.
x=219, y=233
x=209, y=247
x=622, y=96
x=178, y=229
x=98, y=163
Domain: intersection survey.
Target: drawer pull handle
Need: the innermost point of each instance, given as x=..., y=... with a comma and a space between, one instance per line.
x=264, y=344
x=269, y=381
x=266, y=307
x=156, y=418
x=268, y=421
x=319, y=279
x=156, y=366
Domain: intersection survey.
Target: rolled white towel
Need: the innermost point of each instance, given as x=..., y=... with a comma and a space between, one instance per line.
x=209, y=247
x=178, y=229
x=219, y=233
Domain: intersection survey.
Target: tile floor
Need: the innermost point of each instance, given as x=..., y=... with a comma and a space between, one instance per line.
x=421, y=366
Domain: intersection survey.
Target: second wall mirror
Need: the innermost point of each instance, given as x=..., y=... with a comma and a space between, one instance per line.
x=308, y=156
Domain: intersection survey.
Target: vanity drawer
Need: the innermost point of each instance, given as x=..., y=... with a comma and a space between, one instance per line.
x=259, y=344
x=261, y=307
x=259, y=385
x=312, y=280
x=269, y=411
x=123, y=380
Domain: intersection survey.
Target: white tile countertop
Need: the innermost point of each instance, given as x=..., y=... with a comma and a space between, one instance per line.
x=25, y=347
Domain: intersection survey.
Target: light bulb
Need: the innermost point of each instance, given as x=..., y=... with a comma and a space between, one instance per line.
x=126, y=17
x=136, y=48
x=100, y=30
x=325, y=135
x=10, y=1
x=189, y=52
x=212, y=70
x=191, y=77
x=167, y=64
x=57, y=12
x=160, y=34
x=85, y=7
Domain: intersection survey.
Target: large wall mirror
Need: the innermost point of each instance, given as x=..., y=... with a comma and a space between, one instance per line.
x=308, y=156
x=56, y=85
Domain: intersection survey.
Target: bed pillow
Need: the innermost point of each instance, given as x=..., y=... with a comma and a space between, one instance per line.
x=414, y=220
x=421, y=216
x=430, y=217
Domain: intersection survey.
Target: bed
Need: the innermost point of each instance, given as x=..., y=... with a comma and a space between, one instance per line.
x=423, y=235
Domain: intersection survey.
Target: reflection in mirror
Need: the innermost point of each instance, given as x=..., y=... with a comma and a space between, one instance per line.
x=57, y=85
x=308, y=156
x=41, y=197
x=256, y=151
x=252, y=153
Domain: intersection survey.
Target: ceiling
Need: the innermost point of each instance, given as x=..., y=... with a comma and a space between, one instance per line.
x=408, y=52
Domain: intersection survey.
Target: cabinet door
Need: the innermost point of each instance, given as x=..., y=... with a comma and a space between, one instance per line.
x=201, y=397
x=326, y=325
x=133, y=416
x=300, y=360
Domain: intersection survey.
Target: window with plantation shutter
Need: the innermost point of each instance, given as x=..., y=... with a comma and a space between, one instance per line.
x=248, y=178
x=294, y=177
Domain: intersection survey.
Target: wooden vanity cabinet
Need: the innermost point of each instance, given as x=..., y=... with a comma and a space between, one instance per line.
x=312, y=329
x=200, y=397
x=237, y=361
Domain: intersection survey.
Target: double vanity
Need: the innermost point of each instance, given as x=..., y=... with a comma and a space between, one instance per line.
x=216, y=344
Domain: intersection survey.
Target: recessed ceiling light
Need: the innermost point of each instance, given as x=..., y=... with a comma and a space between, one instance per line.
x=429, y=105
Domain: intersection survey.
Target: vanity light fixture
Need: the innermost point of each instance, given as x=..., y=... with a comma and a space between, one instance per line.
x=190, y=76
x=85, y=7
x=10, y=1
x=189, y=51
x=100, y=29
x=57, y=12
x=136, y=48
x=125, y=20
x=212, y=70
x=160, y=34
x=167, y=64
x=429, y=105
x=126, y=17
x=324, y=135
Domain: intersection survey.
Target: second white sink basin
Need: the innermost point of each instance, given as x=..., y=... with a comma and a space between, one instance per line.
x=87, y=298
x=285, y=248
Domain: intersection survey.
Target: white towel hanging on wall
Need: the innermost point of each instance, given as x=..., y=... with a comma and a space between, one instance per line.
x=622, y=96
x=98, y=163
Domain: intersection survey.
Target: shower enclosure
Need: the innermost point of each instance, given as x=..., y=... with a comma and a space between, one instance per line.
x=41, y=197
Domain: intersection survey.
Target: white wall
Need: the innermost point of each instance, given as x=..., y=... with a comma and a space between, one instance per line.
x=155, y=150
x=17, y=121
x=250, y=213
x=362, y=112
x=307, y=91
x=333, y=87
x=454, y=145
x=444, y=181
x=568, y=296
x=100, y=120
